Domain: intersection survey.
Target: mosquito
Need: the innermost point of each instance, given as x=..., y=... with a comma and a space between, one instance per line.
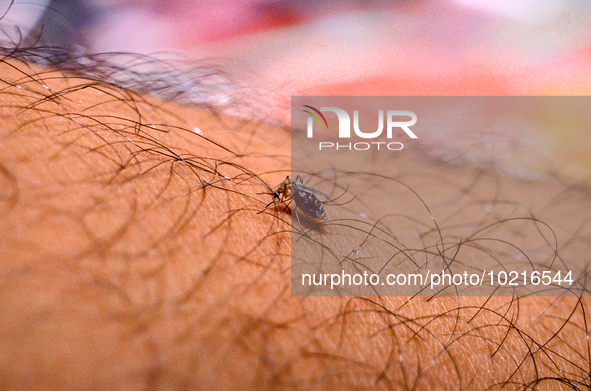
x=303, y=196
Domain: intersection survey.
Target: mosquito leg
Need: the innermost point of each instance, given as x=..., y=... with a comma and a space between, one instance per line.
x=295, y=212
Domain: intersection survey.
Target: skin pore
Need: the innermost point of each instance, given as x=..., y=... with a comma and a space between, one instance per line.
x=135, y=256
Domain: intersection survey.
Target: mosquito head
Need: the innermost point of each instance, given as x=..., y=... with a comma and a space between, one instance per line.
x=276, y=197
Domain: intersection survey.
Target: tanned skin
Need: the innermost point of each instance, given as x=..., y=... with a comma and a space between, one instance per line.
x=137, y=254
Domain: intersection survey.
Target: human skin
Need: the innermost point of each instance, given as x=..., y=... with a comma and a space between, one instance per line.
x=129, y=262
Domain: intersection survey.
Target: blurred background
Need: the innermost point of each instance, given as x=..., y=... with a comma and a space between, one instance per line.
x=348, y=47
x=366, y=47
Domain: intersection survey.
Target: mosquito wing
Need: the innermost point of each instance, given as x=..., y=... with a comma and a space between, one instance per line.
x=309, y=189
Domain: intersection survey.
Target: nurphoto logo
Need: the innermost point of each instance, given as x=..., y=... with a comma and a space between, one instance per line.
x=395, y=119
